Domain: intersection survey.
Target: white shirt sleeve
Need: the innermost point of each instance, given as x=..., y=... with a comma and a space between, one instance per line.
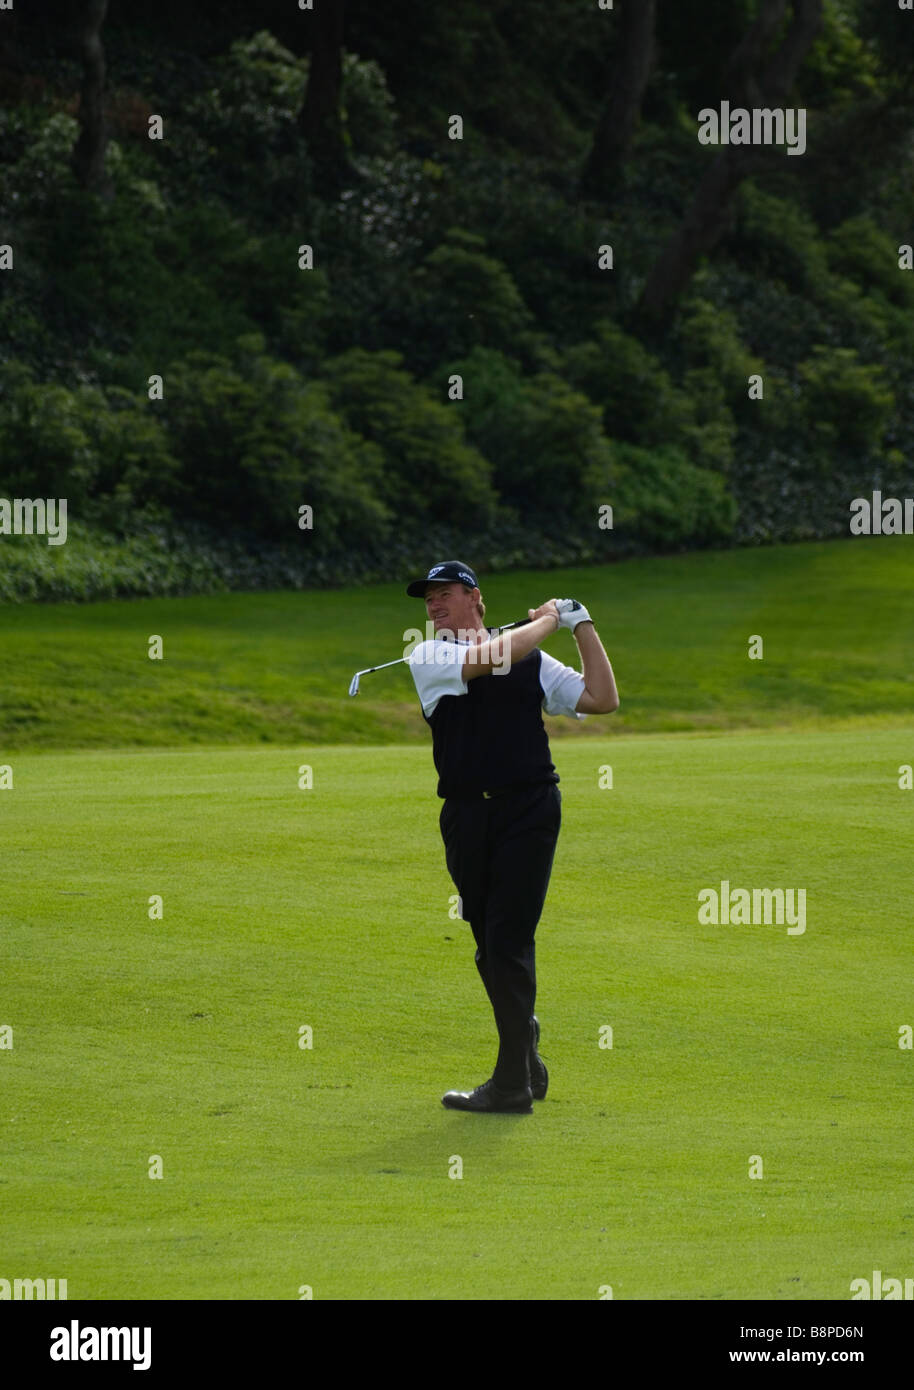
x=436, y=669
x=562, y=687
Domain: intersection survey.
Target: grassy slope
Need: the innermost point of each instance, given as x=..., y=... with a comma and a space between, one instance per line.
x=837, y=621
x=329, y=1167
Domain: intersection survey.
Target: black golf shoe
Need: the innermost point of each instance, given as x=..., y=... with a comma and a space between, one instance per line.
x=539, y=1076
x=487, y=1099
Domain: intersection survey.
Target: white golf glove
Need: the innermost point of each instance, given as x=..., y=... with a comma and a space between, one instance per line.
x=571, y=613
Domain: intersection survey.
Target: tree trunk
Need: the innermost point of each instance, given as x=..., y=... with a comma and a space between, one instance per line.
x=709, y=214
x=631, y=71
x=89, y=151
x=321, y=121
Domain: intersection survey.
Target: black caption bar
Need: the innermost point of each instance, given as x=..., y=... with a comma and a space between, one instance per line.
x=148, y=1340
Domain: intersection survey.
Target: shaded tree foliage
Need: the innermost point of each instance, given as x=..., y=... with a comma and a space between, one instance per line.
x=455, y=359
x=755, y=82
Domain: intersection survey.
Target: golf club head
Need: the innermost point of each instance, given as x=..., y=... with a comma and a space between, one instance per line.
x=354, y=684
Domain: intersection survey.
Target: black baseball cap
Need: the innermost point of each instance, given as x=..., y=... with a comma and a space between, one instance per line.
x=448, y=572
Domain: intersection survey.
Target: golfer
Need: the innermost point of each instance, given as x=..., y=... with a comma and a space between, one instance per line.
x=483, y=698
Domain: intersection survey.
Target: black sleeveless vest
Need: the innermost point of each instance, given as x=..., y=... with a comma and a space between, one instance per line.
x=493, y=736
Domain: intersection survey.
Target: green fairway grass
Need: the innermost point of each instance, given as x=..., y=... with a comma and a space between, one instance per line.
x=836, y=619
x=328, y=1167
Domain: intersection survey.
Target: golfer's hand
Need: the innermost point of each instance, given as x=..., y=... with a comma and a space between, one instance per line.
x=571, y=612
x=548, y=608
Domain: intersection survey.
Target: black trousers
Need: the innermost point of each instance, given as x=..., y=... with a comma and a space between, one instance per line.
x=499, y=853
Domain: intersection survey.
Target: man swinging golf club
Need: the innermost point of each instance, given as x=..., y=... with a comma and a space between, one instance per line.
x=483, y=698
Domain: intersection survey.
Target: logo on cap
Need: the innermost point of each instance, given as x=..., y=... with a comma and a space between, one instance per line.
x=436, y=570
x=467, y=578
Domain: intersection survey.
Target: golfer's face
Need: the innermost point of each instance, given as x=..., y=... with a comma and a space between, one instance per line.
x=450, y=607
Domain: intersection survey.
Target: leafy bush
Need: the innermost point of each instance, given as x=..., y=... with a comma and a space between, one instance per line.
x=33, y=182
x=94, y=565
x=865, y=252
x=429, y=469
x=44, y=446
x=639, y=401
x=846, y=403
x=238, y=139
x=550, y=460
x=257, y=442
x=106, y=452
x=642, y=405
x=195, y=559
x=772, y=319
x=371, y=239
x=664, y=500
x=369, y=116
x=459, y=298
x=543, y=233
x=780, y=242
x=261, y=87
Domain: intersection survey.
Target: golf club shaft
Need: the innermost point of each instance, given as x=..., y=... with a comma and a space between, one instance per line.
x=353, y=686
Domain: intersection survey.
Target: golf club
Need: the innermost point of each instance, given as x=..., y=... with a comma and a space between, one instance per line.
x=354, y=683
